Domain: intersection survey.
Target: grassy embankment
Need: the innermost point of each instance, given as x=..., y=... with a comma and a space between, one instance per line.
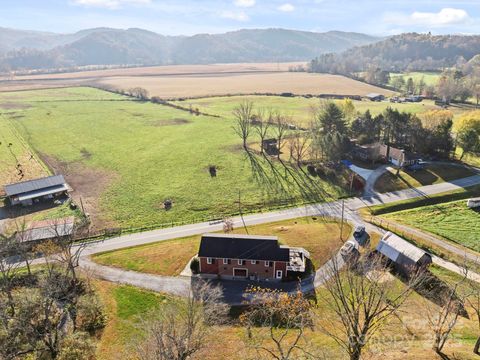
x=431, y=174
x=453, y=221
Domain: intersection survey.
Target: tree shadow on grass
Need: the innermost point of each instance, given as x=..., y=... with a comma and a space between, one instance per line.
x=436, y=290
x=281, y=179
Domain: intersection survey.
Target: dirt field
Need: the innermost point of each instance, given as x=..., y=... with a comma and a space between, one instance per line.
x=45, y=81
x=201, y=80
x=240, y=83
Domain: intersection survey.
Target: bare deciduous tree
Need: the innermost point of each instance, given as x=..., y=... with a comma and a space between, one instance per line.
x=474, y=301
x=183, y=328
x=262, y=126
x=443, y=318
x=275, y=324
x=299, y=147
x=243, y=115
x=227, y=225
x=281, y=128
x=359, y=299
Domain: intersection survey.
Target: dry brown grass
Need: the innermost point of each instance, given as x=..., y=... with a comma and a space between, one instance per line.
x=201, y=80
x=165, y=70
x=199, y=85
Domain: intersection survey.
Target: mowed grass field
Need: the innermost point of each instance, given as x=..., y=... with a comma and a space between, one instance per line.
x=430, y=78
x=452, y=221
x=300, y=109
x=125, y=157
x=198, y=85
x=321, y=237
x=409, y=338
x=431, y=174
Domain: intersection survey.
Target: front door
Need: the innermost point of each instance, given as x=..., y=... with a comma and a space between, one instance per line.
x=240, y=273
x=279, y=274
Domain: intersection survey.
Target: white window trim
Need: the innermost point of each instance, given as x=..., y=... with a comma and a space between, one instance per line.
x=209, y=261
x=277, y=272
x=240, y=262
x=267, y=263
x=225, y=261
x=253, y=262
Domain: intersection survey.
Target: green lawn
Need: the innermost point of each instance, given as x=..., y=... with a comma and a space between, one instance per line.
x=126, y=157
x=299, y=108
x=430, y=78
x=126, y=308
x=432, y=174
x=453, y=221
x=320, y=237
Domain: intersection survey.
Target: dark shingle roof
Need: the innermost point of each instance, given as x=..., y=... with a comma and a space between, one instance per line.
x=246, y=247
x=32, y=185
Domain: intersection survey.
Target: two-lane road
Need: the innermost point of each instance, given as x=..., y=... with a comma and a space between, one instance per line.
x=330, y=209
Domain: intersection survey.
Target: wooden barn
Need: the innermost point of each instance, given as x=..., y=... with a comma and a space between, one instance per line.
x=405, y=257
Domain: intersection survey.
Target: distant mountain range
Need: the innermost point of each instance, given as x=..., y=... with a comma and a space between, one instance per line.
x=104, y=46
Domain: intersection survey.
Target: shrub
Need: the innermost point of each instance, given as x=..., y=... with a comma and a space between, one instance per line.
x=77, y=346
x=90, y=314
x=195, y=265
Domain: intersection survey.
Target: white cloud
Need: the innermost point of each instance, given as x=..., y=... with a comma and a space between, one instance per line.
x=445, y=17
x=244, y=3
x=238, y=16
x=286, y=7
x=110, y=4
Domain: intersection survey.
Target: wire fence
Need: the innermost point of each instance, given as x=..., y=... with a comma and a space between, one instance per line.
x=107, y=233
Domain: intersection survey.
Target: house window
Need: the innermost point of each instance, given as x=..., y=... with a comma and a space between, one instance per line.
x=254, y=262
x=240, y=262
x=225, y=261
x=279, y=274
x=267, y=263
x=209, y=261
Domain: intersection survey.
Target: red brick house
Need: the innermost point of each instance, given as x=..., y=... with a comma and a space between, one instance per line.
x=231, y=256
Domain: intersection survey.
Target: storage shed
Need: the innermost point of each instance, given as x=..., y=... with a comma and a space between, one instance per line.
x=28, y=192
x=405, y=256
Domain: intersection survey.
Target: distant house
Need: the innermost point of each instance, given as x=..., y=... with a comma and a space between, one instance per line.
x=230, y=256
x=398, y=157
x=367, y=152
x=406, y=257
x=28, y=192
x=375, y=97
x=47, y=229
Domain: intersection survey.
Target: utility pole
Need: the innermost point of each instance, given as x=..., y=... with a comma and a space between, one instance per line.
x=341, y=225
x=240, y=211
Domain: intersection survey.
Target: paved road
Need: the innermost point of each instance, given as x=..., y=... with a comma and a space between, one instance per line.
x=331, y=209
x=234, y=290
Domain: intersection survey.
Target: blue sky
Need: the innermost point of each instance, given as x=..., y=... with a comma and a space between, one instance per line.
x=170, y=17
